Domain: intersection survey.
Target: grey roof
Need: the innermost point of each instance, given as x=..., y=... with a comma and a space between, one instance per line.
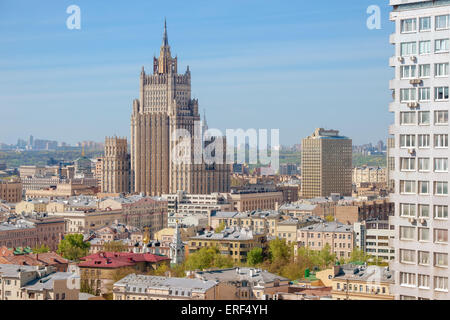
x=238, y=274
x=46, y=283
x=328, y=227
x=155, y=282
x=374, y=274
x=13, y=270
x=232, y=233
x=224, y=214
x=299, y=206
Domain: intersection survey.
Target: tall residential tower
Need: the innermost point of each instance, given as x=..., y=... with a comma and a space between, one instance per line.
x=419, y=154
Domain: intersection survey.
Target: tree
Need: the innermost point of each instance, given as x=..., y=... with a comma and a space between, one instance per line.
x=121, y=273
x=220, y=228
x=42, y=249
x=208, y=257
x=255, y=256
x=73, y=247
x=279, y=250
x=358, y=255
x=326, y=258
x=115, y=246
x=329, y=218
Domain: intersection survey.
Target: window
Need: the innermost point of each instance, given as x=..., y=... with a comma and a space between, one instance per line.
x=425, y=47
x=441, y=165
x=407, y=210
x=408, y=48
x=424, y=210
x=441, y=45
x=424, y=234
x=424, y=70
x=424, y=94
x=424, y=117
x=407, y=186
x=407, y=233
x=424, y=187
x=441, y=69
x=425, y=24
x=424, y=164
x=440, y=93
x=408, y=25
x=408, y=72
x=423, y=281
x=424, y=140
x=442, y=22
x=407, y=117
x=441, y=140
x=441, y=117
x=441, y=235
x=440, y=259
x=441, y=188
x=407, y=279
x=424, y=258
x=407, y=141
x=440, y=212
x=407, y=94
x=441, y=283
x=407, y=256
x=408, y=164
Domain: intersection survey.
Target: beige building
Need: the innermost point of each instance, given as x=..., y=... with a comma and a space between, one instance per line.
x=368, y=174
x=141, y=287
x=19, y=282
x=338, y=236
x=35, y=205
x=354, y=282
x=116, y=166
x=326, y=164
x=248, y=201
x=164, y=107
x=259, y=222
x=11, y=191
x=203, y=204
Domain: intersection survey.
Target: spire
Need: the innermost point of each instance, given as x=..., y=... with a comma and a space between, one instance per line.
x=165, y=39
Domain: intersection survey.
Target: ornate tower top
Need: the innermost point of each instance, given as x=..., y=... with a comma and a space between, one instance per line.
x=165, y=63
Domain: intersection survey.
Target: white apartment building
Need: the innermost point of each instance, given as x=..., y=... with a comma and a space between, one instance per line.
x=421, y=148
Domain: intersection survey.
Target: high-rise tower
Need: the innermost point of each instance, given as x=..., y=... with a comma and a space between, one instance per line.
x=116, y=166
x=420, y=150
x=164, y=107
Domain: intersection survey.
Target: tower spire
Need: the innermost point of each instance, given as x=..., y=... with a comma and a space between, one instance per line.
x=165, y=39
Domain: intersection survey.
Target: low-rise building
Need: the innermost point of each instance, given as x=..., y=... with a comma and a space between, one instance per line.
x=18, y=282
x=353, y=282
x=142, y=287
x=234, y=242
x=184, y=203
x=244, y=283
x=11, y=256
x=11, y=190
x=338, y=236
x=373, y=237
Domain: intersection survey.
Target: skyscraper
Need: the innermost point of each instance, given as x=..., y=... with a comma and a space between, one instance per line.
x=420, y=150
x=163, y=109
x=115, y=166
x=326, y=164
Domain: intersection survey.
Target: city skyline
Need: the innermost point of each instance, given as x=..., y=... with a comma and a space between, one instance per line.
x=273, y=59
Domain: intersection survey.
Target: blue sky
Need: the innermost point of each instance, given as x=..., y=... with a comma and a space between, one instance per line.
x=290, y=65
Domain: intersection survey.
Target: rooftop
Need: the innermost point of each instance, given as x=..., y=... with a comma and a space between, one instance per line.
x=259, y=276
x=328, y=227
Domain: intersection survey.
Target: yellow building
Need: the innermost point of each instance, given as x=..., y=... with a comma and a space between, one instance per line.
x=353, y=282
x=234, y=242
x=32, y=206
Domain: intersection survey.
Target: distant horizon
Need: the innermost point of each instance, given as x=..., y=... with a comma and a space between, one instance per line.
x=267, y=65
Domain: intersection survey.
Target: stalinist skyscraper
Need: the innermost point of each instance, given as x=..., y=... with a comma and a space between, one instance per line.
x=164, y=106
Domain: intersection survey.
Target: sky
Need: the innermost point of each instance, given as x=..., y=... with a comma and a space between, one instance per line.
x=288, y=65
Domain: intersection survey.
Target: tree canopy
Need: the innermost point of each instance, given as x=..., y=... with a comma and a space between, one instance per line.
x=208, y=257
x=73, y=247
x=255, y=256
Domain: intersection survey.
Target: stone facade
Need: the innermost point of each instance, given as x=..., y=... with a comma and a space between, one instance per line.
x=116, y=166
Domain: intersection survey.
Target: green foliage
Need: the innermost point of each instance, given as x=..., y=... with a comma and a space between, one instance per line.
x=115, y=246
x=220, y=228
x=17, y=159
x=279, y=250
x=329, y=218
x=208, y=257
x=42, y=249
x=358, y=255
x=372, y=160
x=73, y=247
x=255, y=256
x=120, y=273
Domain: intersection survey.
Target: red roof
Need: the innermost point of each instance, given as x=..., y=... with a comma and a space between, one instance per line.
x=119, y=259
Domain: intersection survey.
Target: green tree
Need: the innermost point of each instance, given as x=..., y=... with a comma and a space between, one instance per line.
x=329, y=218
x=326, y=258
x=208, y=257
x=255, y=256
x=358, y=255
x=42, y=249
x=115, y=246
x=73, y=247
x=279, y=250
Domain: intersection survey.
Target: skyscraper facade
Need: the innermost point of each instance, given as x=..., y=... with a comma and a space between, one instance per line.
x=419, y=154
x=115, y=166
x=326, y=164
x=164, y=108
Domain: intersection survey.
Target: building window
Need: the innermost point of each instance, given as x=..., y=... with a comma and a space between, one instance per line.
x=424, y=258
x=441, y=69
x=424, y=210
x=423, y=281
x=408, y=48
x=441, y=283
x=407, y=279
x=441, y=235
x=407, y=233
x=407, y=141
x=424, y=187
x=407, y=95
x=407, y=186
x=407, y=210
x=424, y=234
x=441, y=212
x=441, y=165
x=442, y=22
x=425, y=24
x=408, y=25
x=424, y=163
x=441, y=117
x=407, y=256
x=441, y=140
x=441, y=188
x=440, y=259
x=408, y=72
x=425, y=47
x=408, y=164
x=407, y=118
x=441, y=93
x=424, y=94
x=424, y=70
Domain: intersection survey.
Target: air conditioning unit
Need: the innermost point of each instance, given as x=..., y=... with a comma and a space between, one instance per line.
x=422, y=221
x=411, y=220
x=415, y=81
x=412, y=104
x=411, y=151
x=400, y=59
x=413, y=58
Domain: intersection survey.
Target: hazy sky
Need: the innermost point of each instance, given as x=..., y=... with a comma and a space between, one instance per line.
x=290, y=65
